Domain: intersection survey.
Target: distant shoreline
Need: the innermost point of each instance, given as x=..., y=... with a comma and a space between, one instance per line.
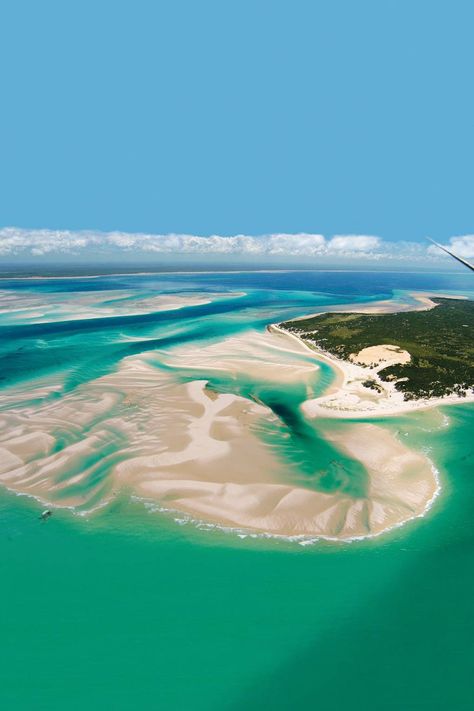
x=17, y=276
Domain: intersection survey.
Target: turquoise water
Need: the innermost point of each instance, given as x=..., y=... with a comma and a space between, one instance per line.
x=132, y=609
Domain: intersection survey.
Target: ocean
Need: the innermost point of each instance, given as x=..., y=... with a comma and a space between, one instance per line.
x=114, y=602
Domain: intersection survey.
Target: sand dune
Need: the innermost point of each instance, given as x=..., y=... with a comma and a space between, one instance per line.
x=349, y=397
x=380, y=357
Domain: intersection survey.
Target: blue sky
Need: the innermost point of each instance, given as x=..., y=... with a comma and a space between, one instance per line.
x=238, y=118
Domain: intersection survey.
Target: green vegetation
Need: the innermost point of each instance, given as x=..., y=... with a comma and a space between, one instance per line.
x=440, y=342
x=372, y=385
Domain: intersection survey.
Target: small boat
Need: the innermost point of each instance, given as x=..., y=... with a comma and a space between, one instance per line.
x=45, y=515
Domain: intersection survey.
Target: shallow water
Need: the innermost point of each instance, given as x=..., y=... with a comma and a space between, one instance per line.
x=131, y=608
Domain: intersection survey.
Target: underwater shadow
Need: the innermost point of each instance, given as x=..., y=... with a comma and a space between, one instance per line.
x=408, y=648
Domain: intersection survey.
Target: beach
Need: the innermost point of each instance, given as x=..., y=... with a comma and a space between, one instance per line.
x=195, y=450
x=188, y=453
x=191, y=402
x=350, y=397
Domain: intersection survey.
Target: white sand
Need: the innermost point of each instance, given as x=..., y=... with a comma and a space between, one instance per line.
x=349, y=397
x=194, y=450
x=352, y=399
x=378, y=357
x=421, y=301
x=270, y=355
x=197, y=451
x=402, y=486
x=142, y=414
x=30, y=308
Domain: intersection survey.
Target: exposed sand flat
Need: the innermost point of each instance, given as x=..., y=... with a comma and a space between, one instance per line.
x=194, y=451
x=31, y=308
x=219, y=447
x=271, y=355
x=197, y=451
x=136, y=419
x=31, y=444
x=402, y=485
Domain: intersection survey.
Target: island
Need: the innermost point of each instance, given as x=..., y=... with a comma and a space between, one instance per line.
x=420, y=355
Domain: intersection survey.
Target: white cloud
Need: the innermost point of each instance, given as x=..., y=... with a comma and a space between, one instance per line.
x=17, y=241
x=277, y=244
x=354, y=243
x=14, y=241
x=298, y=244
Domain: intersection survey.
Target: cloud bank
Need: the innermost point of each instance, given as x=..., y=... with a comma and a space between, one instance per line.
x=39, y=242
x=43, y=242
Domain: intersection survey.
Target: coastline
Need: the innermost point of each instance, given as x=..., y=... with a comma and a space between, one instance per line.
x=348, y=398
x=217, y=271
x=190, y=448
x=403, y=486
x=196, y=451
x=422, y=302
